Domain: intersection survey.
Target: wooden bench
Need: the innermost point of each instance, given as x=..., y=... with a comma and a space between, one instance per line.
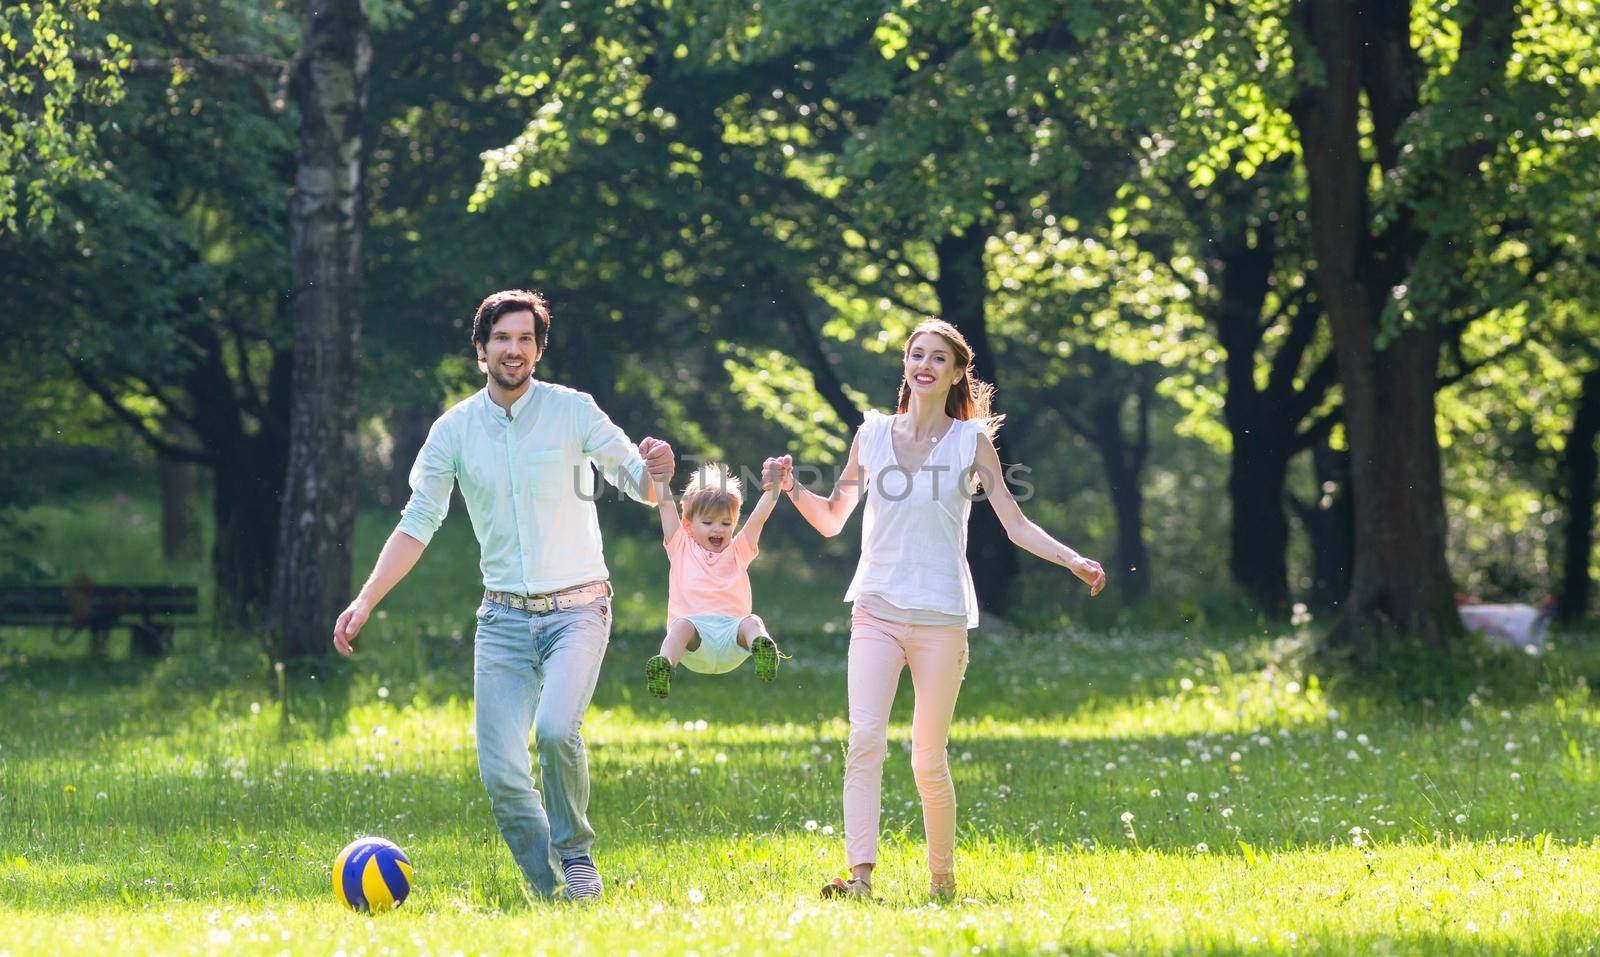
x=150, y=612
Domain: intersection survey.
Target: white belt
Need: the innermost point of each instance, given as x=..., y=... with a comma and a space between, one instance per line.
x=539, y=604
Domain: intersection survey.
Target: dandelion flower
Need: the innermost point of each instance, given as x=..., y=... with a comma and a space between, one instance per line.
x=811, y=825
x=1127, y=817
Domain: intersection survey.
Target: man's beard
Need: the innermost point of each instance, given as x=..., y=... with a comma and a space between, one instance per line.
x=508, y=383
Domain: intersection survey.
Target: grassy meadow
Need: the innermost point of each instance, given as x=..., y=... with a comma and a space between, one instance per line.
x=1167, y=790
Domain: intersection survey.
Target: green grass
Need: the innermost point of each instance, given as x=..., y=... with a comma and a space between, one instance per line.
x=181, y=808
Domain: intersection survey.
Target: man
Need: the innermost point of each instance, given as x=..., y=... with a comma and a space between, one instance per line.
x=521, y=451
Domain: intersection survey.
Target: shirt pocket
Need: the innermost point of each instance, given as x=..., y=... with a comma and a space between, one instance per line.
x=546, y=475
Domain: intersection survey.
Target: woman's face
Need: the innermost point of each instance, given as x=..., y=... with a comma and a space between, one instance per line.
x=931, y=365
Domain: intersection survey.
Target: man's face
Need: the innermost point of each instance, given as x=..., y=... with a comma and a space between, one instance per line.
x=511, y=351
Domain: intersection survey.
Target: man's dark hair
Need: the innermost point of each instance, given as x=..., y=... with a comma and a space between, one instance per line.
x=512, y=300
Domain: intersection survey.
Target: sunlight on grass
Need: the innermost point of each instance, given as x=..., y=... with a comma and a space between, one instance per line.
x=1124, y=791
x=1161, y=793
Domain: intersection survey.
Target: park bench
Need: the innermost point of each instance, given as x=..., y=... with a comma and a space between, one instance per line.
x=150, y=612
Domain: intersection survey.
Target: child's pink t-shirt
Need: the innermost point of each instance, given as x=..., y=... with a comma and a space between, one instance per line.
x=702, y=582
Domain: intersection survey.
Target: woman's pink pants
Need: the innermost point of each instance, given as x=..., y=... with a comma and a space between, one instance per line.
x=937, y=655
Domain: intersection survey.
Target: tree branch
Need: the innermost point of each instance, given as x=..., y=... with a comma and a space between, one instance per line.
x=823, y=372
x=139, y=425
x=1317, y=431
x=1324, y=377
x=1302, y=329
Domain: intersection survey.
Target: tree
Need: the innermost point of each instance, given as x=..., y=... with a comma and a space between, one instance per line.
x=164, y=275
x=1425, y=134
x=312, y=580
x=1266, y=319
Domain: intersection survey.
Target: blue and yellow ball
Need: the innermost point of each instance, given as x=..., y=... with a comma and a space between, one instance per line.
x=371, y=875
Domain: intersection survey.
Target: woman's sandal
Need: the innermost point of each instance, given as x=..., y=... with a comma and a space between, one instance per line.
x=942, y=893
x=855, y=888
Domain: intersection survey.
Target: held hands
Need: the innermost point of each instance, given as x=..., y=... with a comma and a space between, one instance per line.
x=658, y=459
x=779, y=471
x=1089, y=572
x=350, y=622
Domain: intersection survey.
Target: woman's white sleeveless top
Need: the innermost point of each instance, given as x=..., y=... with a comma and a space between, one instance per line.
x=914, y=532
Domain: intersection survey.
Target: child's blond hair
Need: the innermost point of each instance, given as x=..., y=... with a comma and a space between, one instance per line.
x=712, y=490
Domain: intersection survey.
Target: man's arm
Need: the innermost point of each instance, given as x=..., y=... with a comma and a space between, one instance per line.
x=433, y=475
x=623, y=465
x=759, y=515
x=399, y=556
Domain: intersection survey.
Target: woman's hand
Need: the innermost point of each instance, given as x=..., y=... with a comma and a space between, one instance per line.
x=779, y=471
x=1089, y=571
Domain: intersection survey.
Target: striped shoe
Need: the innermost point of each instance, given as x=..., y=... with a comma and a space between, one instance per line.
x=765, y=653
x=583, y=881
x=658, y=675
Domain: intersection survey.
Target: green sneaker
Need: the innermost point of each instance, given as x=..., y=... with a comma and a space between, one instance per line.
x=658, y=675
x=765, y=651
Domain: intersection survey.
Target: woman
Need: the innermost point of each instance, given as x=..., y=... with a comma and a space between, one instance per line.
x=912, y=592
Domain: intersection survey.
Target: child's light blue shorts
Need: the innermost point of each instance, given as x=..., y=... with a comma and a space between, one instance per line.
x=719, y=651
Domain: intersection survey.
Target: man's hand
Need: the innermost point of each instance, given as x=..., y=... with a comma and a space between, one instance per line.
x=348, y=624
x=1089, y=571
x=778, y=470
x=658, y=459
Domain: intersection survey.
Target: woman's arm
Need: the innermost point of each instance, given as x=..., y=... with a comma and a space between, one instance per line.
x=828, y=515
x=1021, y=529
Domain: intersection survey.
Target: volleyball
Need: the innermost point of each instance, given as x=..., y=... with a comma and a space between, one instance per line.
x=371, y=875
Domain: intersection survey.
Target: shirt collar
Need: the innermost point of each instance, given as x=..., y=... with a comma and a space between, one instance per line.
x=516, y=407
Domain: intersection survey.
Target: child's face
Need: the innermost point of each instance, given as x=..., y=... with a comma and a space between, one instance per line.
x=714, y=530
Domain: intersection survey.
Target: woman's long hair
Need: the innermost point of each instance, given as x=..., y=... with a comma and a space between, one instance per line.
x=970, y=398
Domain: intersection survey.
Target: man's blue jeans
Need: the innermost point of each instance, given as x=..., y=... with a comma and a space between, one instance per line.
x=538, y=672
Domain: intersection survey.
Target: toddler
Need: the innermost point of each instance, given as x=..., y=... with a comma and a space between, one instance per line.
x=710, y=628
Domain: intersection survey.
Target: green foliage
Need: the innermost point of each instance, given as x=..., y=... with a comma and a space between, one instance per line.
x=777, y=387
x=56, y=64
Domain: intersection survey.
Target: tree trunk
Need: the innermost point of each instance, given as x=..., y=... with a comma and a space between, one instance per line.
x=1123, y=461
x=247, y=499
x=1580, y=468
x=1259, y=532
x=1400, y=582
x=1329, y=521
x=962, y=288
x=180, y=510
x=312, y=580
x=1259, y=461
x=409, y=425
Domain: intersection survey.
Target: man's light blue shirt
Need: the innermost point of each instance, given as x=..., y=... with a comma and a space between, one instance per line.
x=528, y=485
